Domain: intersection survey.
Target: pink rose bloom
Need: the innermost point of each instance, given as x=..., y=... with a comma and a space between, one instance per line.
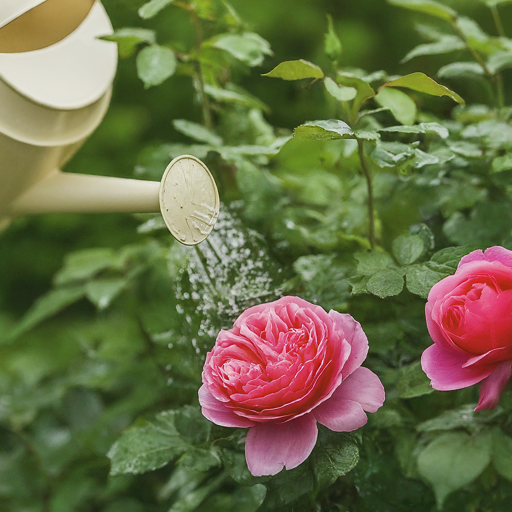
x=469, y=317
x=282, y=367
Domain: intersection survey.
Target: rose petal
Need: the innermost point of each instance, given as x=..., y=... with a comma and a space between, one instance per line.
x=218, y=413
x=340, y=415
x=357, y=339
x=494, y=356
x=445, y=369
x=364, y=387
x=495, y=253
x=270, y=447
x=493, y=386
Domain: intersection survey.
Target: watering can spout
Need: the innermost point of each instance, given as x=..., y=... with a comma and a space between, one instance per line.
x=187, y=197
x=79, y=193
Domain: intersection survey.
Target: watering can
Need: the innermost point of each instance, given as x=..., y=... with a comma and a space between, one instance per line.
x=55, y=86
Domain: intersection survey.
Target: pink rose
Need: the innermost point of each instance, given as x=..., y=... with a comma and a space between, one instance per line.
x=282, y=367
x=469, y=317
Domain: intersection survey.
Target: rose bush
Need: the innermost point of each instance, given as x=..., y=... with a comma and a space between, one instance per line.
x=282, y=367
x=469, y=317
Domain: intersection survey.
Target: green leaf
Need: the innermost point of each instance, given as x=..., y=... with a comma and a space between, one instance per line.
x=194, y=498
x=502, y=163
x=128, y=39
x=427, y=7
x=385, y=283
x=192, y=425
x=420, y=279
x=153, y=7
x=147, y=447
x=461, y=70
x=332, y=460
x=199, y=459
x=453, y=460
x=371, y=262
x=340, y=93
x=407, y=248
x=249, y=48
x=502, y=453
x=155, y=64
x=411, y=381
x=400, y=104
x=494, y=3
x=499, y=61
x=238, y=96
x=364, y=90
x=332, y=45
x=463, y=417
x=331, y=129
x=422, y=83
x=101, y=292
x=295, y=70
x=197, y=132
x=82, y=265
x=47, y=306
x=445, y=44
x=420, y=128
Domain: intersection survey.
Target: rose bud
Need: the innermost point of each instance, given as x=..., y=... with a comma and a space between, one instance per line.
x=469, y=318
x=282, y=367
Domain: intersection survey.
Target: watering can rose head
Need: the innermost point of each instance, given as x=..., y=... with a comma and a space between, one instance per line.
x=469, y=317
x=283, y=367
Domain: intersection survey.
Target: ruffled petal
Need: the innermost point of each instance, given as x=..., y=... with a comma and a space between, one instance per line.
x=493, y=386
x=272, y=446
x=364, y=387
x=496, y=355
x=356, y=338
x=340, y=415
x=495, y=253
x=218, y=413
x=445, y=369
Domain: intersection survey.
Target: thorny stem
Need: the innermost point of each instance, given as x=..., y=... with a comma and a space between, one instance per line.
x=368, y=176
x=496, y=78
x=497, y=21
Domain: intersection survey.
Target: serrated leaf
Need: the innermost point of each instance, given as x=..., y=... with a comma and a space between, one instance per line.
x=461, y=70
x=101, y=292
x=152, y=8
x=371, y=262
x=295, y=70
x=427, y=7
x=128, y=39
x=407, y=248
x=146, y=447
x=400, y=104
x=420, y=279
x=332, y=45
x=422, y=83
x=385, y=283
x=412, y=381
x=155, y=64
x=249, y=48
x=238, y=96
x=340, y=93
x=453, y=460
x=324, y=130
x=192, y=425
x=331, y=461
x=502, y=453
x=436, y=128
x=446, y=44
x=197, y=132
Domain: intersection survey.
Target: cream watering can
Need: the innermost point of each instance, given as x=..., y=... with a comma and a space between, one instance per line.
x=55, y=87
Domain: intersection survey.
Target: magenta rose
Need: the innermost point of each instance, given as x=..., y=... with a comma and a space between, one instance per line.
x=469, y=317
x=282, y=367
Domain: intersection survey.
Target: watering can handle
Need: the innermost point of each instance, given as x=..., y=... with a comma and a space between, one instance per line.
x=187, y=197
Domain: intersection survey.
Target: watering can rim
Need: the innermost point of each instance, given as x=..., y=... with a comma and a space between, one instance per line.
x=12, y=9
x=23, y=71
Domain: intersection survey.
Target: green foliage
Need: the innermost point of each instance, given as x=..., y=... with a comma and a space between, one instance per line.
x=105, y=324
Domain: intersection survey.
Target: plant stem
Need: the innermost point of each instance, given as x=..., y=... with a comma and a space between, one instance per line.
x=495, y=78
x=368, y=176
x=497, y=21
